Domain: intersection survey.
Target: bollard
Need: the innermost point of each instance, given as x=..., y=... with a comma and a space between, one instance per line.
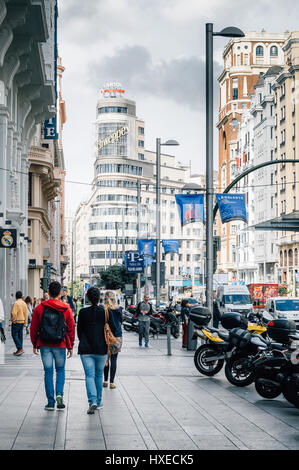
x=191, y=343
x=168, y=340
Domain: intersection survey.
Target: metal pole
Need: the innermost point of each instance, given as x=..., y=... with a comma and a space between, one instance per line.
x=209, y=165
x=168, y=340
x=116, y=239
x=158, y=202
x=138, y=232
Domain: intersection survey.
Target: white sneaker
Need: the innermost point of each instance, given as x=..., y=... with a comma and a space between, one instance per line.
x=99, y=407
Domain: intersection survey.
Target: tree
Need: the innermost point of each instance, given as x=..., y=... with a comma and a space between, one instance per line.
x=283, y=290
x=116, y=277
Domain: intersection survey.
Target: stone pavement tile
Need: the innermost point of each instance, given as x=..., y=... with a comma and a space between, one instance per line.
x=124, y=442
x=215, y=443
x=181, y=444
x=206, y=430
x=81, y=443
x=120, y=428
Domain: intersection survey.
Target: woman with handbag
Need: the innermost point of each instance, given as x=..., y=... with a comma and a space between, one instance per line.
x=110, y=303
x=94, y=330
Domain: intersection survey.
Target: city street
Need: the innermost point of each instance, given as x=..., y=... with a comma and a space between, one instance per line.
x=160, y=402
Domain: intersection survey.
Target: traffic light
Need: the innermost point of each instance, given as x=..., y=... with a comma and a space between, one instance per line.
x=162, y=273
x=44, y=284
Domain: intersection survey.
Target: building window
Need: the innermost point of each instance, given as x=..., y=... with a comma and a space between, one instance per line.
x=140, y=156
x=259, y=51
x=274, y=51
x=235, y=88
x=140, y=130
x=140, y=143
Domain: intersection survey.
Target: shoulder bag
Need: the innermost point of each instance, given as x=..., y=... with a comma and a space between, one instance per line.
x=109, y=336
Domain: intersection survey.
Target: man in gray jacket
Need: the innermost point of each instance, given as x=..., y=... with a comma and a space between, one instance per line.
x=144, y=311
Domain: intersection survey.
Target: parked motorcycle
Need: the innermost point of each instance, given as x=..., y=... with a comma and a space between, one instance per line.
x=130, y=322
x=277, y=371
x=237, y=347
x=162, y=318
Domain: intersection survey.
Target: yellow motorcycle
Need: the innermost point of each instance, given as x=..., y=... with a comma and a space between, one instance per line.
x=220, y=346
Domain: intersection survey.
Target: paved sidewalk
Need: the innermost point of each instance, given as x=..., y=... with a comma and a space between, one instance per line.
x=161, y=402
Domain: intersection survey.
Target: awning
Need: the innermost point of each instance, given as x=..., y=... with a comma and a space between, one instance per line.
x=287, y=222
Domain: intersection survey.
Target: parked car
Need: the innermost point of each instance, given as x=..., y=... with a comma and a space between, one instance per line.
x=284, y=307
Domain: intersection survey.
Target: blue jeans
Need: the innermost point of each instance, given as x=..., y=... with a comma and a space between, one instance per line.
x=93, y=365
x=144, y=327
x=51, y=356
x=17, y=334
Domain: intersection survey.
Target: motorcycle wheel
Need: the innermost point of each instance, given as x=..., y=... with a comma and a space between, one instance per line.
x=210, y=368
x=267, y=390
x=236, y=372
x=175, y=332
x=291, y=393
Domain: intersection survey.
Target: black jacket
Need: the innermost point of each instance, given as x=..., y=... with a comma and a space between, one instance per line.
x=90, y=330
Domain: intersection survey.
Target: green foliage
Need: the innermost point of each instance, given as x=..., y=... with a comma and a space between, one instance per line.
x=115, y=277
x=283, y=290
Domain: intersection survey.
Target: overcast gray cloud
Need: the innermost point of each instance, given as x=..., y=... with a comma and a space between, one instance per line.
x=180, y=80
x=156, y=49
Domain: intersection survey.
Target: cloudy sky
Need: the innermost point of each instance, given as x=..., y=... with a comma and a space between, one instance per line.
x=156, y=50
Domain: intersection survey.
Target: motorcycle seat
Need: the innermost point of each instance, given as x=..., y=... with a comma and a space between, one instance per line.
x=221, y=334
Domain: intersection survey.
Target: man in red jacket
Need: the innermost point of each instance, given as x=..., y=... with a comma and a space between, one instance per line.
x=56, y=313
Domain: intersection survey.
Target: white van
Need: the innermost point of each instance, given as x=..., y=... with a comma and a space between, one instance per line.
x=284, y=307
x=234, y=299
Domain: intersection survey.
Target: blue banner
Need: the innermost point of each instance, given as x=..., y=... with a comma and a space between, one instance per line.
x=170, y=246
x=146, y=247
x=191, y=207
x=231, y=207
x=50, y=129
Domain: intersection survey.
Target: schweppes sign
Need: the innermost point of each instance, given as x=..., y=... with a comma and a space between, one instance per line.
x=114, y=137
x=8, y=238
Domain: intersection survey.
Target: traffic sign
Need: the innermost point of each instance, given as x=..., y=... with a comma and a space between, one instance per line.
x=134, y=262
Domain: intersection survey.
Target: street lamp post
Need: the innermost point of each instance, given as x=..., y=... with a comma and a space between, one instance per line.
x=226, y=32
x=158, y=215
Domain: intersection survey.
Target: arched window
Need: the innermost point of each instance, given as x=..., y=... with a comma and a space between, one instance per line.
x=274, y=51
x=281, y=258
x=259, y=51
x=290, y=257
x=296, y=257
x=285, y=258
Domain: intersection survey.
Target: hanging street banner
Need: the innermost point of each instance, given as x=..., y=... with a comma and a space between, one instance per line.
x=134, y=262
x=170, y=246
x=231, y=207
x=190, y=207
x=8, y=238
x=146, y=247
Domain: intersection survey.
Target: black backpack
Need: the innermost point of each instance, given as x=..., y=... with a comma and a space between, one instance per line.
x=52, y=327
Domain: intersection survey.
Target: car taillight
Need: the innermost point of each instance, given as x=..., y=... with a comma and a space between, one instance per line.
x=271, y=323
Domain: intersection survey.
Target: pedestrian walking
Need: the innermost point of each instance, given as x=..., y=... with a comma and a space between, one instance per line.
x=46, y=296
x=52, y=332
x=93, y=348
x=185, y=313
x=29, y=303
x=19, y=319
x=143, y=312
x=115, y=310
x=75, y=309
